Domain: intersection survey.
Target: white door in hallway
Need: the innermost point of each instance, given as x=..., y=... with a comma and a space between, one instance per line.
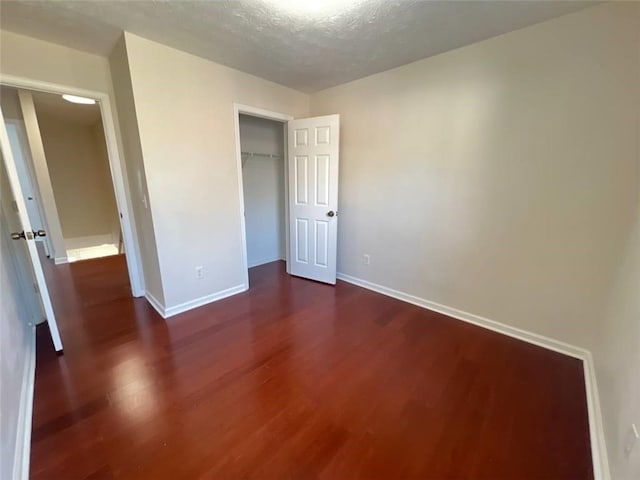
x=14, y=206
x=24, y=165
x=313, y=160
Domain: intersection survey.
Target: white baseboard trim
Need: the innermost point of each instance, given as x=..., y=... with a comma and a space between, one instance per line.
x=155, y=303
x=530, y=337
x=166, y=312
x=198, y=302
x=596, y=429
x=257, y=263
x=25, y=415
x=60, y=260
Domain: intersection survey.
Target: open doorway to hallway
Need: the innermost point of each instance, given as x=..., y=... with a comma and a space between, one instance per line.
x=63, y=165
x=67, y=192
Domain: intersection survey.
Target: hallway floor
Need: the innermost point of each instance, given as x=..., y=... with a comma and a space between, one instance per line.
x=293, y=379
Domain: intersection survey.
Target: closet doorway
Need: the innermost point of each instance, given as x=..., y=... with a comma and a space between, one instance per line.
x=262, y=144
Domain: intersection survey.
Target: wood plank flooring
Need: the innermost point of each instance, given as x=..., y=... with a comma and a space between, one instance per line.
x=293, y=380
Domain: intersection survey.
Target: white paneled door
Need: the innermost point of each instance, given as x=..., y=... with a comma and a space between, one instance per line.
x=313, y=157
x=14, y=206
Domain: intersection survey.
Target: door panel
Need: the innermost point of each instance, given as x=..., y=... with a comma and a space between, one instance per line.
x=14, y=206
x=26, y=176
x=313, y=161
x=17, y=252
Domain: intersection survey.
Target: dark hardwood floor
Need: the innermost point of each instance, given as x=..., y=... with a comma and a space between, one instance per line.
x=294, y=379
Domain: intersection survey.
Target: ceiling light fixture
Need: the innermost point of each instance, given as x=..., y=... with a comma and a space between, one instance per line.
x=81, y=100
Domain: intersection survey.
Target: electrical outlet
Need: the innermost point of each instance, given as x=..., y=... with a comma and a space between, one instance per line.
x=632, y=437
x=366, y=259
x=199, y=272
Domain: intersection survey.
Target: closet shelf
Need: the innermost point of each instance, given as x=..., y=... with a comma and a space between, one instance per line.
x=264, y=155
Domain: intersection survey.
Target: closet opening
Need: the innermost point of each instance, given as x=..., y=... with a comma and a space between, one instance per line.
x=261, y=145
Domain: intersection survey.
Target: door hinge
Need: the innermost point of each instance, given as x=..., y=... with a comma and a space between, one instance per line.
x=35, y=287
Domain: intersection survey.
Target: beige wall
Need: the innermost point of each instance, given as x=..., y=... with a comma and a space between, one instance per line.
x=499, y=178
x=27, y=57
x=184, y=108
x=79, y=170
x=33, y=59
x=617, y=353
x=10, y=104
x=617, y=359
x=99, y=140
x=123, y=95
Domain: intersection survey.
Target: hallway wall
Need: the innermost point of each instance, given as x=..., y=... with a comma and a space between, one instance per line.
x=81, y=179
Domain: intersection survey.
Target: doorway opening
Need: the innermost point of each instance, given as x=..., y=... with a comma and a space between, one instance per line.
x=70, y=194
x=309, y=171
x=67, y=199
x=261, y=143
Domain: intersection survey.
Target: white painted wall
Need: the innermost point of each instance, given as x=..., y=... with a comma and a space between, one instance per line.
x=186, y=125
x=263, y=185
x=498, y=178
x=78, y=166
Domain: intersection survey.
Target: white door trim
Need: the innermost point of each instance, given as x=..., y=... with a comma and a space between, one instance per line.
x=238, y=109
x=118, y=171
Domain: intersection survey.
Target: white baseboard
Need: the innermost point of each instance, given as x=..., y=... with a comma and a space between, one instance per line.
x=166, y=312
x=518, y=333
x=257, y=263
x=60, y=260
x=155, y=303
x=198, y=302
x=25, y=415
x=596, y=429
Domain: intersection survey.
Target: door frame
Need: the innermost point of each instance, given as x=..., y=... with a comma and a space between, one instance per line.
x=116, y=167
x=238, y=109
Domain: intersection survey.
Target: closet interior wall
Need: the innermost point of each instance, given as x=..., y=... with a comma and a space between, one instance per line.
x=262, y=144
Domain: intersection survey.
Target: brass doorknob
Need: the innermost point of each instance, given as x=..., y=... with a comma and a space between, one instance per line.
x=331, y=213
x=17, y=235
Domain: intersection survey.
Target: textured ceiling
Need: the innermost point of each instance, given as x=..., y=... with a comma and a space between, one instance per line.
x=304, y=44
